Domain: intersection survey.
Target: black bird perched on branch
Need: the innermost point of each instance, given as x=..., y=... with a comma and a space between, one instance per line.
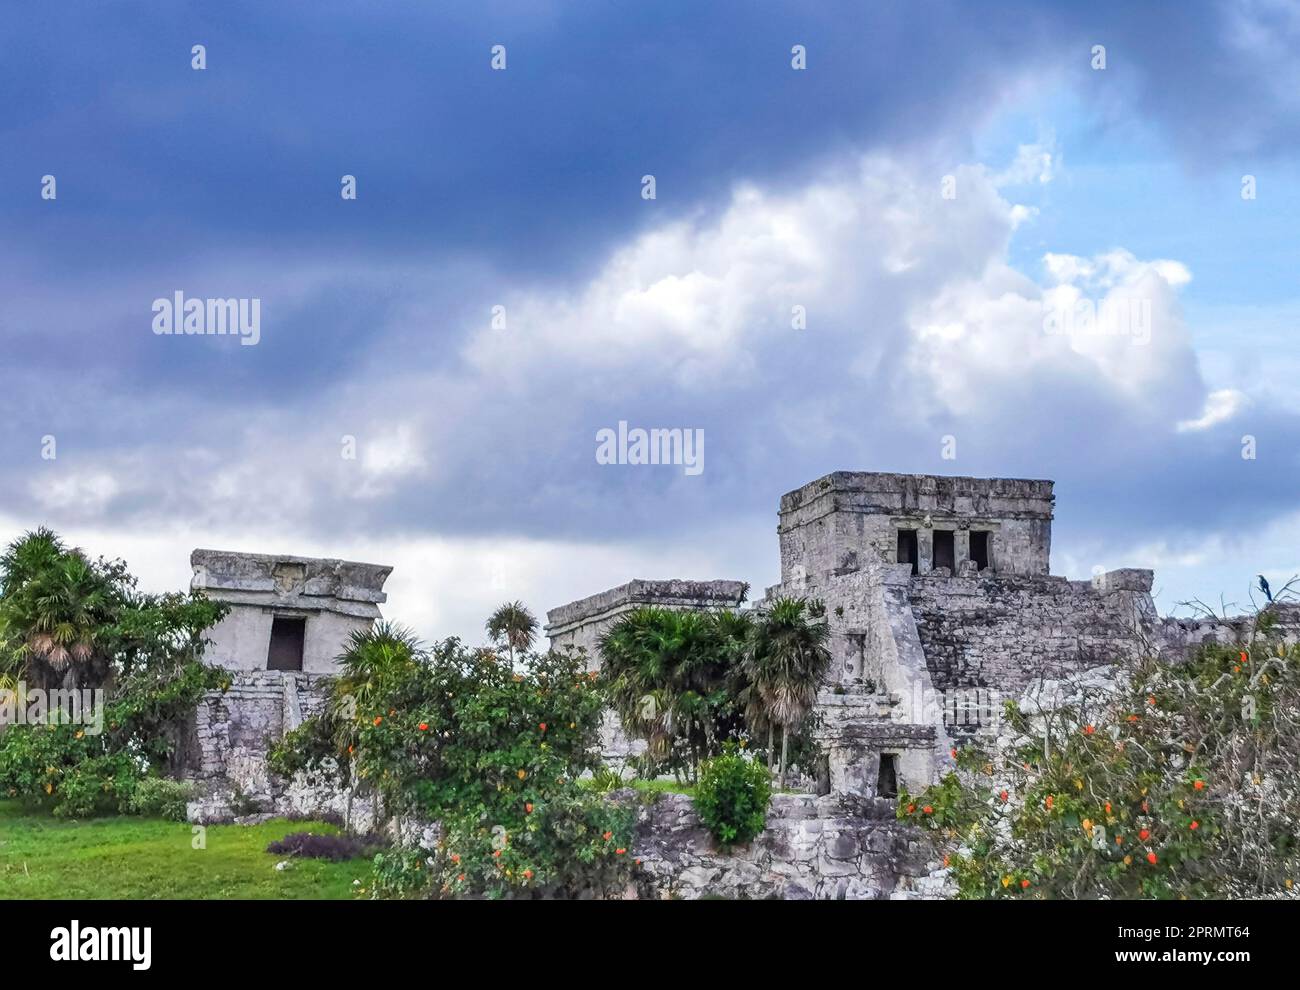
x=1263, y=586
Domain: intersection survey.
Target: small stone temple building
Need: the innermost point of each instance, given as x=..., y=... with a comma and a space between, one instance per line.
x=290, y=618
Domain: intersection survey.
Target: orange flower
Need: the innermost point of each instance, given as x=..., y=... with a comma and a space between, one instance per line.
x=1047, y=803
x=1089, y=730
x=1119, y=840
x=424, y=726
x=638, y=862
x=1132, y=718
x=528, y=874
x=911, y=808
x=1151, y=858
x=1144, y=834
x=1024, y=884
x=496, y=852
x=455, y=857
x=619, y=852
x=378, y=719
x=1199, y=785
x=1151, y=699
x=461, y=878
x=928, y=810
x=522, y=774
x=528, y=808
x=1108, y=807
x=607, y=836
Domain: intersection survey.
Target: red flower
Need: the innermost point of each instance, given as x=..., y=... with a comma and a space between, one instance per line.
x=1003, y=795
x=1144, y=834
x=1195, y=825
x=954, y=752
x=528, y=808
x=378, y=719
x=424, y=726
x=528, y=874
x=1024, y=884
x=1151, y=858
x=496, y=852
x=928, y=810
x=1199, y=785
x=1089, y=730
x=619, y=852
x=542, y=726
x=1047, y=803
x=911, y=808
x=455, y=857
x=608, y=835
x=1108, y=807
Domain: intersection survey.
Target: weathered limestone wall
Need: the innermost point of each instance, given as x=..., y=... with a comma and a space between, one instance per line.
x=1002, y=633
x=812, y=848
x=835, y=524
x=232, y=731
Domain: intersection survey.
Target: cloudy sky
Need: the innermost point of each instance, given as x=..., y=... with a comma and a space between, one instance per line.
x=947, y=191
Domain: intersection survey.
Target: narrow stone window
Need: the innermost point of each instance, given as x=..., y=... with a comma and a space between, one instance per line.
x=907, y=549
x=887, y=781
x=287, y=636
x=945, y=550
x=979, y=548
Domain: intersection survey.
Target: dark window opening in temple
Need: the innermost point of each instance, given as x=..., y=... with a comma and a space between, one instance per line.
x=979, y=548
x=907, y=549
x=287, y=636
x=945, y=549
x=887, y=782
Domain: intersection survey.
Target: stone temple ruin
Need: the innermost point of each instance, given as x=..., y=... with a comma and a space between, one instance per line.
x=940, y=604
x=290, y=618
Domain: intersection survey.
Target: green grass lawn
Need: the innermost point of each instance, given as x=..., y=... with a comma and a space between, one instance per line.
x=149, y=858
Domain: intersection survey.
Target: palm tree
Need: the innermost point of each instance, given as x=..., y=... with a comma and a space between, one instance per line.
x=55, y=603
x=514, y=624
x=374, y=658
x=666, y=674
x=786, y=662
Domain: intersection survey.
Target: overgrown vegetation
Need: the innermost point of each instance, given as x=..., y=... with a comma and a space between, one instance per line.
x=690, y=683
x=69, y=624
x=1182, y=781
x=490, y=751
x=732, y=797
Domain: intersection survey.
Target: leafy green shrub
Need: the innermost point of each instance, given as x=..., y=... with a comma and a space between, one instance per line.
x=160, y=797
x=491, y=752
x=732, y=796
x=76, y=772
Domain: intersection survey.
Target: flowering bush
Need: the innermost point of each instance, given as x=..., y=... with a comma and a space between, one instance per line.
x=732, y=796
x=1180, y=782
x=77, y=772
x=490, y=752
